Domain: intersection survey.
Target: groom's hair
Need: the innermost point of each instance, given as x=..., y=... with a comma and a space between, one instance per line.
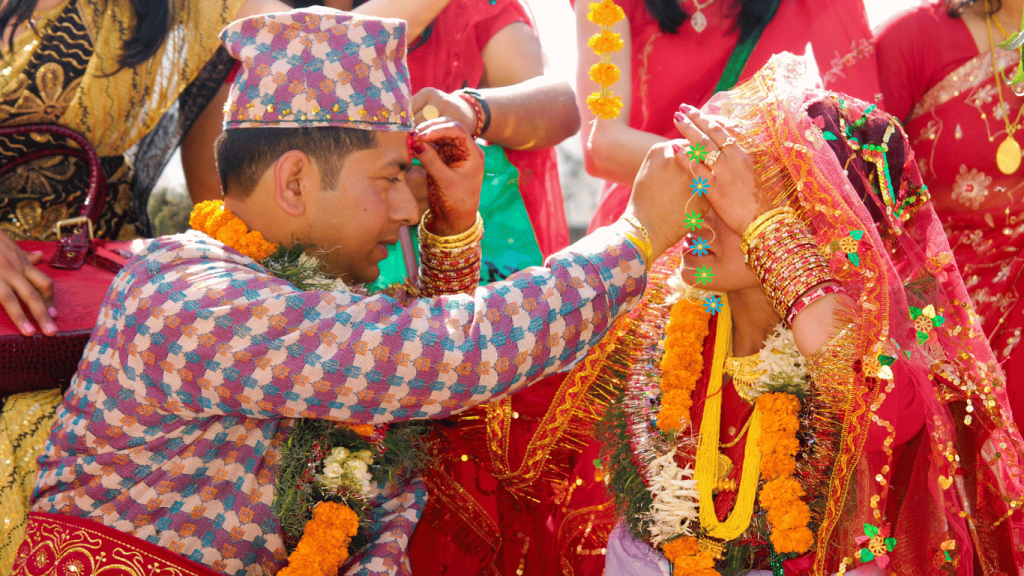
x=245, y=154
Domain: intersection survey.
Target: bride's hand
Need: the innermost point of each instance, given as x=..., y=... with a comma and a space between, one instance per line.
x=733, y=187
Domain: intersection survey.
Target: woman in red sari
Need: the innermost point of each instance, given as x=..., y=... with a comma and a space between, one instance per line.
x=961, y=120
x=670, y=58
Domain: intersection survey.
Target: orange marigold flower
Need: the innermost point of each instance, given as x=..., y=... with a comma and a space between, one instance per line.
x=323, y=547
x=680, y=548
x=604, y=107
x=606, y=41
x=774, y=466
x=604, y=74
x=364, y=430
x=607, y=13
x=211, y=218
x=799, y=541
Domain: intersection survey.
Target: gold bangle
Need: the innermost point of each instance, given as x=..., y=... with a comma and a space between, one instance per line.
x=760, y=224
x=460, y=240
x=644, y=246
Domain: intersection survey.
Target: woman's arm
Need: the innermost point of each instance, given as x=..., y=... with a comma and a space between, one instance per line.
x=529, y=110
x=611, y=149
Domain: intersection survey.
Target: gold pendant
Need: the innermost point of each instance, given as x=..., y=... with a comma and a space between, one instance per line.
x=1008, y=156
x=698, y=21
x=712, y=546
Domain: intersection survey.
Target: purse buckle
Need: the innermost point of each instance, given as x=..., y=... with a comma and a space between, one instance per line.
x=76, y=221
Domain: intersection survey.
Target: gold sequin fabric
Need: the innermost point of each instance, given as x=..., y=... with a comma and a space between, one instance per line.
x=69, y=75
x=24, y=427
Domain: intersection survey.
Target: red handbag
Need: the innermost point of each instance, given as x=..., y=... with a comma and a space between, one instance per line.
x=82, y=270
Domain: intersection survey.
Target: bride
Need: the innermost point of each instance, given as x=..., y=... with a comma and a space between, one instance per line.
x=821, y=398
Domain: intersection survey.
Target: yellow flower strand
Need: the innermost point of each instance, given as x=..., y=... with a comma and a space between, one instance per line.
x=216, y=221
x=707, y=448
x=604, y=104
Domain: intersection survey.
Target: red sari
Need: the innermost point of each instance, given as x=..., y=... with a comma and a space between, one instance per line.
x=946, y=94
x=670, y=69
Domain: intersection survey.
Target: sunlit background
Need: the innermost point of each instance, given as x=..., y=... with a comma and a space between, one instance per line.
x=556, y=25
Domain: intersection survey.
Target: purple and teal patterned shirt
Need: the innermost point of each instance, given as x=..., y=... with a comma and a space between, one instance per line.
x=200, y=359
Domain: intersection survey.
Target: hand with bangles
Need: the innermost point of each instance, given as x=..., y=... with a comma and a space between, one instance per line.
x=763, y=257
x=455, y=172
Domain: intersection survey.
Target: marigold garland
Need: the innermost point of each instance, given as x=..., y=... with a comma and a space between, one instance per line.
x=603, y=103
x=214, y=220
x=781, y=494
x=682, y=364
x=364, y=430
x=687, y=558
x=324, y=545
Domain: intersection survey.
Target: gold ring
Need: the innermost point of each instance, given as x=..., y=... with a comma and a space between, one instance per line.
x=712, y=158
x=728, y=142
x=430, y=112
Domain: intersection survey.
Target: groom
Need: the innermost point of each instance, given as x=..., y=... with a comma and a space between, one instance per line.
x=167, y=440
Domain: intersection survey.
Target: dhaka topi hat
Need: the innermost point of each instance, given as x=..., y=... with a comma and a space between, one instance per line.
x=318, y=67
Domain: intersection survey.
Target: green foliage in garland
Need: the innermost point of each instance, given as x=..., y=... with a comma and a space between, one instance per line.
x=625, y=480
x=396, y=458
x=305, y=274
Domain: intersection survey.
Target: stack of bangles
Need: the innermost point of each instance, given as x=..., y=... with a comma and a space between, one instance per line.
x=792, y=269
x=450, y=264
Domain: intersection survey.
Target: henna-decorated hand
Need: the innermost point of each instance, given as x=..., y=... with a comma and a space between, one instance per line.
x=455, y=173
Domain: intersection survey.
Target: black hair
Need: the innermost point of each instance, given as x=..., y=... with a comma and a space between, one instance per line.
x=245, y=154
x=152, y=24
x=956, y=8
x=750, y=15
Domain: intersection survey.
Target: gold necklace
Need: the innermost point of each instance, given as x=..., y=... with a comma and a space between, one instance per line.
x=747, y=379
x=699, y=21
x=1008, y=154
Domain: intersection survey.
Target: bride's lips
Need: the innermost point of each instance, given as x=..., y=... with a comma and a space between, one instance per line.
x=382, y=247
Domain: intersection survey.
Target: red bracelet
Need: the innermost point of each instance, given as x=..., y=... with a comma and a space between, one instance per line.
x=478, y=109
x=811, y=296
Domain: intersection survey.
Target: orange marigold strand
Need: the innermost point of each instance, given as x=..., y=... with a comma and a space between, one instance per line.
x=682, y=363
x=323, y=547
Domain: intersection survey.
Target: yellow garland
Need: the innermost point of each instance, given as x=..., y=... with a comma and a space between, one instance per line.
x=706, y=466
x=603, y=103
x=324, y=544
x=216, y=221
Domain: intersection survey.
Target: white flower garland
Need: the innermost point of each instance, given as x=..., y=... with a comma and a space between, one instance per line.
x=676, y=499
x=346, y=469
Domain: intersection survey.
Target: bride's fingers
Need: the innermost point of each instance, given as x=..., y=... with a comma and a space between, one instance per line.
x=697, y=148
x=720, y=130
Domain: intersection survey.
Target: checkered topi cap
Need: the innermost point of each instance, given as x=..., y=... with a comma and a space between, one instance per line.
x=318, y=67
